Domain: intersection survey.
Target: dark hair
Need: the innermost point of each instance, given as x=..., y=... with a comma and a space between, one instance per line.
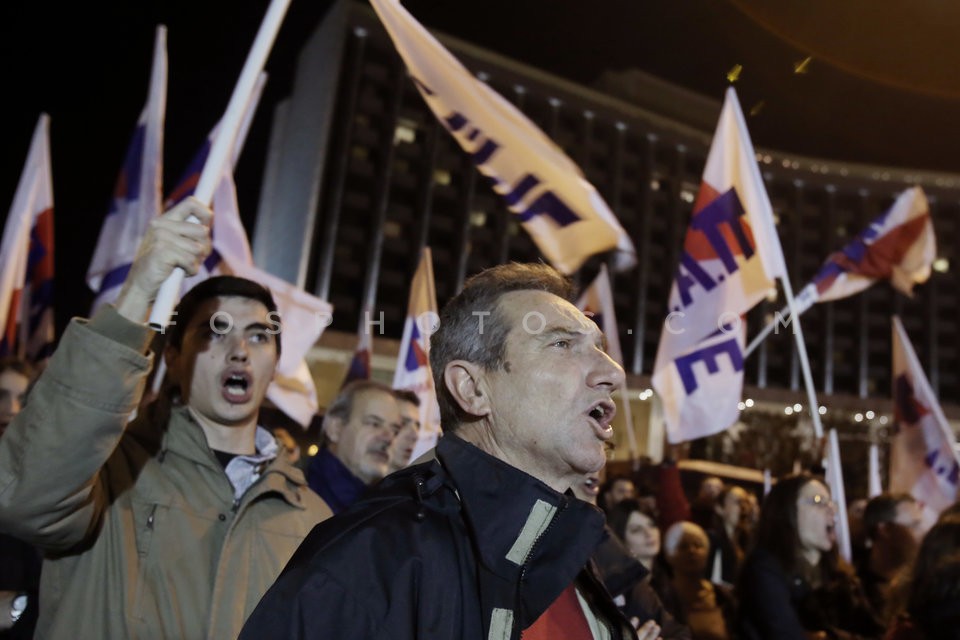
x=218, y=286
x=16, y=364
x=777, y=531
x=933, y=599
x=406, y=395
x=620, y=513
x=952, y=511
x=607, y=487
x=342, y=406
x=880, y=509
x=458, y=336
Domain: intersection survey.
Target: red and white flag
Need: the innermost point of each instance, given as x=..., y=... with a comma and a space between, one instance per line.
x=730, y=258
x=899, y=246
x=923, y=455
x=26, y=256
x=562, y=212
x=137, y=195
x=413, y=362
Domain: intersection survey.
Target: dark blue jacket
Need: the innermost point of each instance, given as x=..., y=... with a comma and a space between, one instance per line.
x=449, y=549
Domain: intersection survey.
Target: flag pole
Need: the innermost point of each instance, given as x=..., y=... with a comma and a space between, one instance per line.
x=834, y=469
x=760, y=337
x=221, y=149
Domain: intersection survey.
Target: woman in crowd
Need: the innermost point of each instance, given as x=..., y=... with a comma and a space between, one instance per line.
x=706, y=608
x=792, y=586
x=933, y=588
x=635, y=524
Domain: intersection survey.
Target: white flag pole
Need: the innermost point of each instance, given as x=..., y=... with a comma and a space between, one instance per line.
x=223, y=145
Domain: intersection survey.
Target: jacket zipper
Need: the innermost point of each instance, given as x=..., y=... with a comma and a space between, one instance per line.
x=517, y=633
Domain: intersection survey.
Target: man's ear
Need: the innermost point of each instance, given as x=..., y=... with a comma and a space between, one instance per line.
x=465, y=382
x=332, y=429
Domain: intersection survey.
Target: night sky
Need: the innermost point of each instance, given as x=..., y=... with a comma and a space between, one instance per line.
x=87, y=65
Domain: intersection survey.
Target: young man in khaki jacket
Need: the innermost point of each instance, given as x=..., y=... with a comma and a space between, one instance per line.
x=174, y=524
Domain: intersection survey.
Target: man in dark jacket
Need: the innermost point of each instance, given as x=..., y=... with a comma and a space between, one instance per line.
x=485, y=540
x=358, y=431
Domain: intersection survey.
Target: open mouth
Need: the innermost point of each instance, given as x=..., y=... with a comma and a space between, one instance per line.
x=236, y=386
x=592, y=485
x=602, y=413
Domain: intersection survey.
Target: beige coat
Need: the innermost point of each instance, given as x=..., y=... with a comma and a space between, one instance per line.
x=138, y=524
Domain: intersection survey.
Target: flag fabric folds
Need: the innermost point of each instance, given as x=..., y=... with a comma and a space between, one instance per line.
x=26, y=257
x=137, y=195
x=413, y=362
x=730, y=258
x=545, y=190
x=597, y=303
x=923, y=457
x=899, y=246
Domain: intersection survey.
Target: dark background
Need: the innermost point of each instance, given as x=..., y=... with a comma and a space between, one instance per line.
x=882, y=87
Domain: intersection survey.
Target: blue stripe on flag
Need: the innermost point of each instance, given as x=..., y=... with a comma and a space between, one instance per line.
x=114, y=277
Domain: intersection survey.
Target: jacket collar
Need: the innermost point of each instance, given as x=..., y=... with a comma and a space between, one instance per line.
x=184, y=437
x=522, y=528
x=335, y=483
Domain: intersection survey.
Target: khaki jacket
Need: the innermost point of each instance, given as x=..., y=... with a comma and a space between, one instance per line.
x=141, y=535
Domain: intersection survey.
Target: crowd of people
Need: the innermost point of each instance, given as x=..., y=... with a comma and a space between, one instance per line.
x=185, y=518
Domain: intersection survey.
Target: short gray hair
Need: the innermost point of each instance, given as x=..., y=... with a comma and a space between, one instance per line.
x=458, y=336
x=342, y=405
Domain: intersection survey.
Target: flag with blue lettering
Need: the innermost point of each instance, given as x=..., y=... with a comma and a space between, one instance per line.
x=899, y=246
x=359, y=367
x=137, y=195
x=26, y=257
x=413, y=362
x=731, y=255
x=597, y=303
x=923, y=455
x=545, y=190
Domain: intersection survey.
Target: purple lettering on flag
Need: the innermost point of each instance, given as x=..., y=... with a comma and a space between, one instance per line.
x=485, y=152
x=685, y=282
x=550, y=205
x=708, y=355
x=455, y=121
x=725, y=210
x=521, y=189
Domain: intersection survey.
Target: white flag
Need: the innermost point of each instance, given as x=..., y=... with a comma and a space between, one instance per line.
x=731, y=255
x=563, y=213
x=137, y=195
x=413, y=362
x=923, y=457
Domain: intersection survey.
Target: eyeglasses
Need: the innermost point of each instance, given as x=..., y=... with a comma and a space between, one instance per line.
x=820, y=501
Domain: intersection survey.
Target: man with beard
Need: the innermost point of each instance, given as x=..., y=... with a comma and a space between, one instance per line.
x=358, y=429
x=171, y=525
